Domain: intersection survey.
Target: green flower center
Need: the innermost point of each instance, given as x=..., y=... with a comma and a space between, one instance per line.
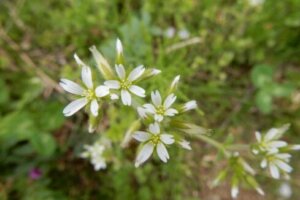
x=155, y=139
x=160, y=110
x=125, y=84
x=90, y=94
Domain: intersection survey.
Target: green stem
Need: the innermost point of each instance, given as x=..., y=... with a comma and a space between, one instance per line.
x=214, y=143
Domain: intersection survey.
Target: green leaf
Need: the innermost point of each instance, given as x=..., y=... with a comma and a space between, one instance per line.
x=283, y=90
x=264, y=101
x=261, y=75
x=43, y=143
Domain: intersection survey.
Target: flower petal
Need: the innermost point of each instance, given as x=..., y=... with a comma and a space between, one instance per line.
x=120, y=71
x=154, y=128
x=190, y=105
x=263, y=163
x=185, y=144
x=136, y=73
x=141, y=136
x=284, y=166
x=102, y=91
x=144, y=154
x=142, y=112
x=149, y=108
x=126, y=97
x=86, y=76
x=156, y=98
x=94, y=107
x=74, y=106
x=258, y=136
x=162, y=152
x=119, y=46
x=71, y=87
x=278, y=144
x=274, y=171
x=158, y=118
x=171, y=112
x=234, y=192
x=113, y=84
x=169, y=100
x=137, y=90
x=271, y=134
x=114, y=97
x=167, y=138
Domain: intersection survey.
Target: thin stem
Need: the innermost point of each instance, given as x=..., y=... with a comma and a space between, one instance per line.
x=214, y=143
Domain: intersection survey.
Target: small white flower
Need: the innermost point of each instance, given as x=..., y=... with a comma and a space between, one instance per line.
x=95, y=154
x=269, y=142
x=119, y=47
x=160, y=109
x=185, y=144
x=183, y=34
x=285, y=190
x=153, y=140
x=234, y=192
x=170, y=32
x=88, y=95
x=126, y=83
x=277, y=163
x=189, y=106
x=256, y=2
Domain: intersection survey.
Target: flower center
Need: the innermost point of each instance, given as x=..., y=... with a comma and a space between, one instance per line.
x=90, y=94
x=160, y=110
x=155, y=139
x=125, y=84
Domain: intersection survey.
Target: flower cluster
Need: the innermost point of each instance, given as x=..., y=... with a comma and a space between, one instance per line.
x=274, y=152
x=95, y=154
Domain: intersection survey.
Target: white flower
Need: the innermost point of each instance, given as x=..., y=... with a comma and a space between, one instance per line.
x=234, y=191
x=170, y=32
x=256, y=2
x=269, y=142
x=95, y=154
x=189, y=106
x=285, y=190
x=119, y=47
x=183, y=34
x=153, y=139
x=277, y=162
x=185, y=144
x=160, y=109
x=88, y=95
x=126, y=83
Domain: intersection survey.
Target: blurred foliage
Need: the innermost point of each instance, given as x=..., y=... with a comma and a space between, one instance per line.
x=240, y=62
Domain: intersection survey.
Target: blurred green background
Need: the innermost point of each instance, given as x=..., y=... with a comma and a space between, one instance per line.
x=239, y=59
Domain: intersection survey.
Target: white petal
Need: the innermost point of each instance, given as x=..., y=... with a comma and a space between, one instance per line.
x=155, y=72
x=167, y=138
x=263, y=163
x=158, y=118
x=154, y=128
x=94, y=107
x=113, y=84
x=120, y=71
x=74, y=106
x=144, y=154
x=114, y=96
x=260, y=191
x=277, y=144
x=185, y=144
x=274, y=171
x=234, y=192
x=71, y=87
x=162, y=152
x=284, y=156
x=190, y=105
x=284, y=166
x=136, y=73
x=126, y=97
x=171, y=112
x=141, y=136
x=137, y=90
x=142, y=112
x=295, y=147
x=79, y=61
x=258, y=136
x=102, y=91
x=156, y=98
x=149, y=108
x=271, y=134
x=169, y=100
x=119, y=47
x=86, y=76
